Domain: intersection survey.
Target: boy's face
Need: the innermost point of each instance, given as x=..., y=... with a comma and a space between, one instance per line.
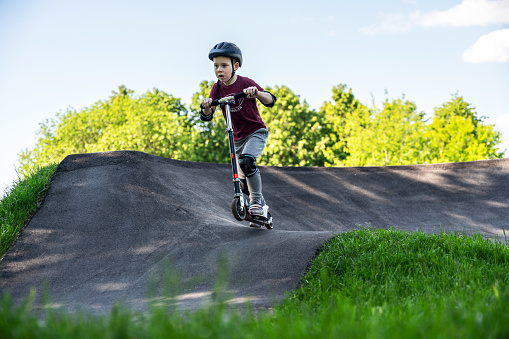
x=223, y=67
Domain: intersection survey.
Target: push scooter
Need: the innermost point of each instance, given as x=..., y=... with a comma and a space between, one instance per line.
x=240, y=206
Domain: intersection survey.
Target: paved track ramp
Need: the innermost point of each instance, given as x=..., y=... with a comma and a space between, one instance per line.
x=110, y=222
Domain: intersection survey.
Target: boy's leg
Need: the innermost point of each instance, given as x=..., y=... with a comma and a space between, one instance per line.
x=249, y=150
x=254, y=183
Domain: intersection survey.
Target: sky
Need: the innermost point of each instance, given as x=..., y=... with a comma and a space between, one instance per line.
x=57, y=55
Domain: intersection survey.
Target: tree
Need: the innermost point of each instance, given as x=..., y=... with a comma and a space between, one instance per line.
x=155, y=123
x=343, y=132
x=457, y=134
x=209, y=138
x=393, y=136
x=294, y=130
x=340, y=116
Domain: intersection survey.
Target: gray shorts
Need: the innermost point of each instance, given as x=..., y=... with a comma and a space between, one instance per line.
x=253, y=144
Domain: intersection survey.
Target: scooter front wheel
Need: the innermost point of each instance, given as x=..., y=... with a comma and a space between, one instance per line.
x=238, y=212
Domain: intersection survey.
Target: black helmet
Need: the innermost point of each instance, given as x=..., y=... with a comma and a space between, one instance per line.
x=226, y=49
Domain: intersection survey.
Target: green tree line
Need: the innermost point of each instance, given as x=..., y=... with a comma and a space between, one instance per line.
x=343, y=132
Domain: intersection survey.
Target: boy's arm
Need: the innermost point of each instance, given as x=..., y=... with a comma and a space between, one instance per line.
x=206, y=117
x=207, y=111
x=266, y=98
x=271, y=99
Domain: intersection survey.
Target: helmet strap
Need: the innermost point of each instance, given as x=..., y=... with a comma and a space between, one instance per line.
x=233, y=70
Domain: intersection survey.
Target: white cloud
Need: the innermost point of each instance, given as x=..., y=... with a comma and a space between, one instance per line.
x=493, y=46
x=468, y=13
x=488, y=48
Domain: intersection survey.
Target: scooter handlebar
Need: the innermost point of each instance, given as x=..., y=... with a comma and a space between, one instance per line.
x=239, y=95
x=219, y=101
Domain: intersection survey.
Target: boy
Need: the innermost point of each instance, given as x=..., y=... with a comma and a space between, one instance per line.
x=250, y=132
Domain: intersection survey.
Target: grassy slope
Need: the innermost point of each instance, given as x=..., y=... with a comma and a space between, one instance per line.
x=20, y=203
x=363, y=284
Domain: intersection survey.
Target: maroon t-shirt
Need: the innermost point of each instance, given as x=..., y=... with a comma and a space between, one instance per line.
x=246, y=118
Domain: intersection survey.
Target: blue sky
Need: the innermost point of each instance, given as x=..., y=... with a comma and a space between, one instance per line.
x=57, y=54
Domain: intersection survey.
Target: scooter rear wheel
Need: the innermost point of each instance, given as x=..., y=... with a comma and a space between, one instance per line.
x=238, y=212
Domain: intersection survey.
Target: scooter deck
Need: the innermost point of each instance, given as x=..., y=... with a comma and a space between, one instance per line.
x=258, y=220
x=262, y=221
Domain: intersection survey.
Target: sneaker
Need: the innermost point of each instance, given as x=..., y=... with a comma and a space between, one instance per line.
x=256, y=210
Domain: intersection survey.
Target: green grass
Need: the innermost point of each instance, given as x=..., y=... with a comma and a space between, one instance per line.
x=20, y=203
x=390, y=284
x=363, y=284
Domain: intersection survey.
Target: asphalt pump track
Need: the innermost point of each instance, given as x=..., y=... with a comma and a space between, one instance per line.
x=112, y=223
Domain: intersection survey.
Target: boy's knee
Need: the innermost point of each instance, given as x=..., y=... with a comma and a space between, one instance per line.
x=247, y=164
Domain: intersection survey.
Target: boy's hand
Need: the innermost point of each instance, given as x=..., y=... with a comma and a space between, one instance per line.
x=205, y=103
x=264, y=97
x=251, y=92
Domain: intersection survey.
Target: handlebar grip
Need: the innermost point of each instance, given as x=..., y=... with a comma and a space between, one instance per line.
x=214, y=103
x=236, y=96
x=239, y=95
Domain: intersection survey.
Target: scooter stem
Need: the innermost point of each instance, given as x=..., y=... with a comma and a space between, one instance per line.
x=233, y=155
